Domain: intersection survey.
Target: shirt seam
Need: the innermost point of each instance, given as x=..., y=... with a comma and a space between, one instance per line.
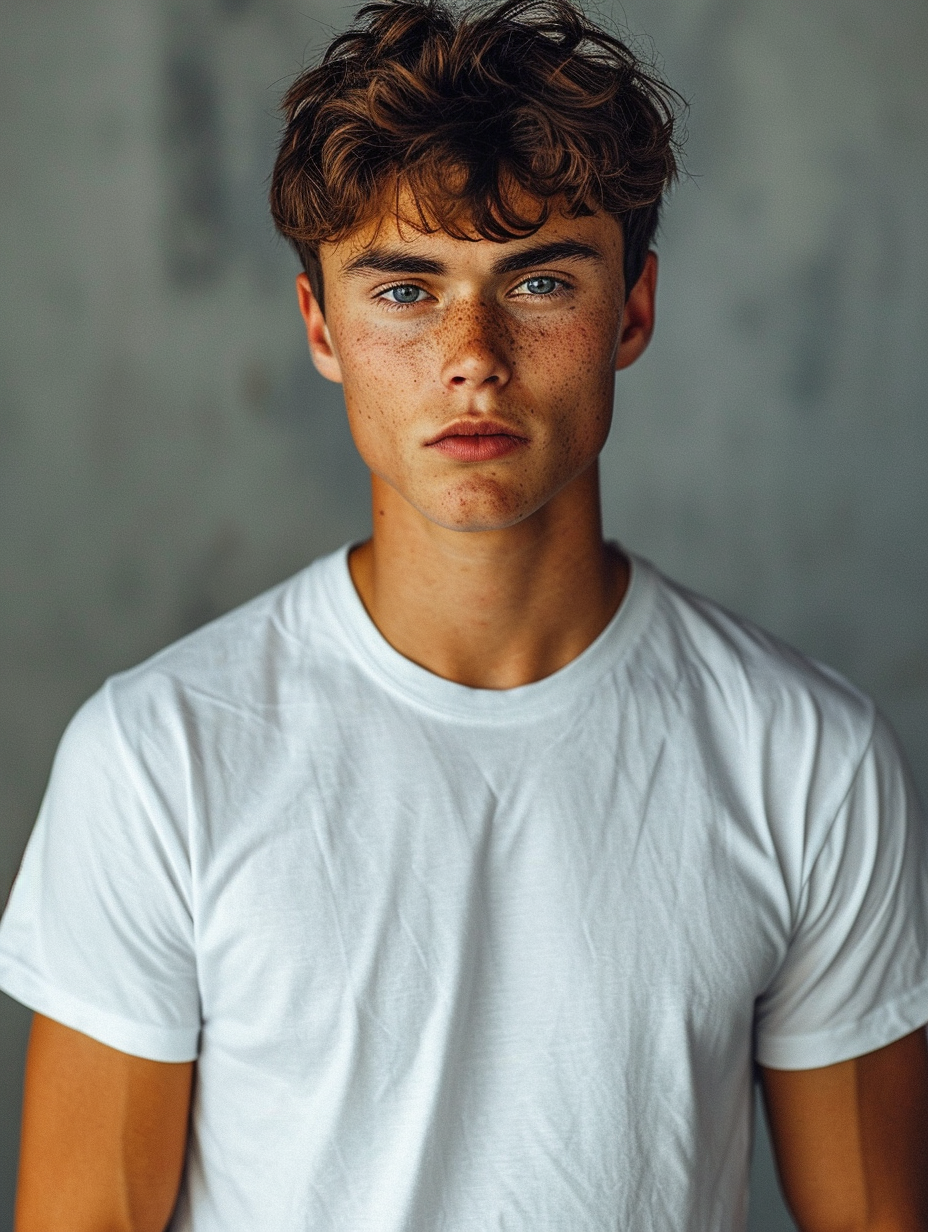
x=544, y=709
x=15, y=964
x=809, y=1038
x=858, y=766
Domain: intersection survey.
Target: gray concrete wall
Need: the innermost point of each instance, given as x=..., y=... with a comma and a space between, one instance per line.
x=167, y=451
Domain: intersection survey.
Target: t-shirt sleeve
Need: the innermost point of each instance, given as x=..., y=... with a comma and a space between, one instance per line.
x=98, y=932
x=855, y=975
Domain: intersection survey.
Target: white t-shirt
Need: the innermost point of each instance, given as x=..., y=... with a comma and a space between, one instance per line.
x=464, y=960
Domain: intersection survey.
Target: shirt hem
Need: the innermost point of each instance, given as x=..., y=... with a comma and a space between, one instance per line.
x=882, y=1026
x=173, y=1044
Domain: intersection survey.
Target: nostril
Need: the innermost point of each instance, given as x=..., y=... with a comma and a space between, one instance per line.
x=457, y=380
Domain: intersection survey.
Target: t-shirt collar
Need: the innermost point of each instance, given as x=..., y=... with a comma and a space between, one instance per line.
x=423, y=688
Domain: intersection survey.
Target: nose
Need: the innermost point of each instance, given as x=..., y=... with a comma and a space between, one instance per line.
x=477, y=351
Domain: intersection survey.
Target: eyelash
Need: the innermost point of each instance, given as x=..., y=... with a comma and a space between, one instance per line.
x=392, y=303
x=562, y=287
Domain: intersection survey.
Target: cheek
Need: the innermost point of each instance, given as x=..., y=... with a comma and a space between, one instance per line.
x=572, y=366
x=380, y=377
x=578, y=346
x=383, y=380
x=383, y=358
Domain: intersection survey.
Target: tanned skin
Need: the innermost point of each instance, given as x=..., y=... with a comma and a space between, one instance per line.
x=487, y=566
x=103, y=1139
x=851, y=1140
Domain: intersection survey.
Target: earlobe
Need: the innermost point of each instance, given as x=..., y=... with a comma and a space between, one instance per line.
x=638, y=316
x=317, y=332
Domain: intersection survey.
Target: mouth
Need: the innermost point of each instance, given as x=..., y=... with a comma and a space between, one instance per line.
x=471, y=440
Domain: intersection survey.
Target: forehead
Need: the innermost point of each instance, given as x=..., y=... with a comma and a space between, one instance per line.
x=397, y=229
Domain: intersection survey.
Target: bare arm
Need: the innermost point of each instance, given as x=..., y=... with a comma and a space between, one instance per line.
x=104, y=1136
x=851, y=1140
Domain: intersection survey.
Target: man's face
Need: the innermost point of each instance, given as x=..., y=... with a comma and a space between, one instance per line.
x=478, y=375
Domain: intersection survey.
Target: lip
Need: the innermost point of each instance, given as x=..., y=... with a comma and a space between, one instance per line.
x=476, y=440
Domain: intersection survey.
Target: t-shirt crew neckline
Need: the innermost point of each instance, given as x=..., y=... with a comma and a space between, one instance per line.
x=535, y=701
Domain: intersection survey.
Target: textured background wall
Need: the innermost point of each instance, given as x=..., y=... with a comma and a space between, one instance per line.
x=166, y=450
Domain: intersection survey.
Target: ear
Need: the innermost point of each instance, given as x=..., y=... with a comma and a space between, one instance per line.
x=317, y=332
x=638, y=317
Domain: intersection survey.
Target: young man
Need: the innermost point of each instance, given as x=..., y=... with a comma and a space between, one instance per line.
x=477, y=865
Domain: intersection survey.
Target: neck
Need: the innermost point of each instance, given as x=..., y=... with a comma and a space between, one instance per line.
x=491, y=609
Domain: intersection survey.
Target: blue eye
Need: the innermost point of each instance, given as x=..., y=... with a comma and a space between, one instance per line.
x=405, y=294
x=540, y=286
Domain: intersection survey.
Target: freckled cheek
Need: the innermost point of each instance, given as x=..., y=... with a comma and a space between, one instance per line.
x=382, y=383
x=572, y=371
x=384, y=364
x=573, y=348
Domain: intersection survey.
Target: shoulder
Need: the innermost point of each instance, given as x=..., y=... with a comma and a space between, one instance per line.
x=784, y=734
x=255, y=661
x=247, y=656
x=734, y=668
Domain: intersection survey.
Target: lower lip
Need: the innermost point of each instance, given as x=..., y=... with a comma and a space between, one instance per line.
x=477, y=448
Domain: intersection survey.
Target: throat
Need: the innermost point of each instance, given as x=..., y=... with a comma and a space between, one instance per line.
x=490, y=610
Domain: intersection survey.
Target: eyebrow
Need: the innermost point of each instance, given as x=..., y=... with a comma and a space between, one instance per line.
x=395, y=261
x=545, y=254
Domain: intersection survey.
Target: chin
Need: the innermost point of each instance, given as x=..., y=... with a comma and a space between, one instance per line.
x=463, y=514
x=475, y=525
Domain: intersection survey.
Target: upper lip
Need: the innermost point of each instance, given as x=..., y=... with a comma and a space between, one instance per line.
x=476, y=427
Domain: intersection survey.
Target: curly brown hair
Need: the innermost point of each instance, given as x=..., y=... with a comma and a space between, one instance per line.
x=474, y=114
